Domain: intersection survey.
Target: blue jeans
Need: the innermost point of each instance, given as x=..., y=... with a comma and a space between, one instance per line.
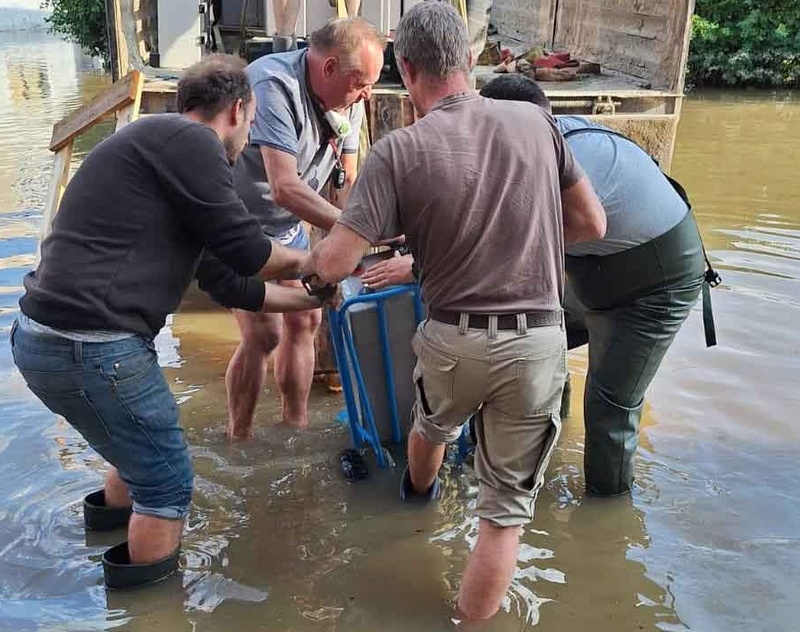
x=115, y=395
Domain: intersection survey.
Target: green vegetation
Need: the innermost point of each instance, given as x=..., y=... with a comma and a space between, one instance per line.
x=81, y=21
x=745, y=43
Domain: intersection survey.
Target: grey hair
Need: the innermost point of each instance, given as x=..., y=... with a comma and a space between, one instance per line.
x=345, y=37
x=432, y=36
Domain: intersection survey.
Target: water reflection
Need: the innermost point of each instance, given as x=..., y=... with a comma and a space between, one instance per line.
x=278, y=540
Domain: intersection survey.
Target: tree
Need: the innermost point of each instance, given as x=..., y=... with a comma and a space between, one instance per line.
x=81, y=21
x=745, y=42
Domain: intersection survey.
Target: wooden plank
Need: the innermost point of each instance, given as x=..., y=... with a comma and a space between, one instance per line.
x=54, y=192
x=123, y=51
x=123, y=93
x=388, y=111
x=683, y=42
x=111, y=33
x=130, y=112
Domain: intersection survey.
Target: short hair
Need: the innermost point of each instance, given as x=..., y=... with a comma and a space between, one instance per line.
x=213, y=84
x=345, y=37
x=516, y=87
x=433, y=37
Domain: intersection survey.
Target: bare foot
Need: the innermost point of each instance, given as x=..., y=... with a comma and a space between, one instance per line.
x=239, y=434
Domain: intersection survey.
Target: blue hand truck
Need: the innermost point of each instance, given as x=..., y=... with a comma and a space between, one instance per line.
x=359, y=410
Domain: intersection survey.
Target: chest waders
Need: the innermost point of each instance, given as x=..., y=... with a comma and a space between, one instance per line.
x=636, y=301
x=674, y=250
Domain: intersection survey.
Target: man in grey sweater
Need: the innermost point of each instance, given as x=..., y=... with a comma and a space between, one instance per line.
x=125, y=245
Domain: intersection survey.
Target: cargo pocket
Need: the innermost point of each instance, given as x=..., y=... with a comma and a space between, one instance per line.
x=539, y=385
x=434, y=375
x=548, y=447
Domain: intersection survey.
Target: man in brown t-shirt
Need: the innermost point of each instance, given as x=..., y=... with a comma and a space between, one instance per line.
x=485, y=210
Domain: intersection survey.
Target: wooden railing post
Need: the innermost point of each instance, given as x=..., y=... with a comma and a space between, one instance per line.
x=123, y=99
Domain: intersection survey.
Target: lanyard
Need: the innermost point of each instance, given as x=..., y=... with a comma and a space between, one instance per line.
x=336, y=153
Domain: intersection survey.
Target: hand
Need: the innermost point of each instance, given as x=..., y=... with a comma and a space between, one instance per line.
x=335, y=300
x=328, y=295
x=394, y=271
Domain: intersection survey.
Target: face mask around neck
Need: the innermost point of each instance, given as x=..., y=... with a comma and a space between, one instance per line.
x=340, y=124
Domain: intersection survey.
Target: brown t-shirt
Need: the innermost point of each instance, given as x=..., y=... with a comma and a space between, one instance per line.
x=475, y=186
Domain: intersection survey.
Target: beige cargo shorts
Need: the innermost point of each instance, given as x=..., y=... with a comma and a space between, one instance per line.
x=512, y=380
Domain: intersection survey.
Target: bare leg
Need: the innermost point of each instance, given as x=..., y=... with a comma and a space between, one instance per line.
x=151, y=539
x=116, y=491
x=247, y=369
x=352, y=7
x=424, y=461
x=286, y=12
x=489, y=570
x=294, y=362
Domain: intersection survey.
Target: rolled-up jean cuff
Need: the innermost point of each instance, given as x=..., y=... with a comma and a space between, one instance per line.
x=504, y=509
x=175, y=512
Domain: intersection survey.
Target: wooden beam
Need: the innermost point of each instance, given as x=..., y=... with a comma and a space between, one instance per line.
x=111, y=34
x=57, y=185
x=388, y=110
x=130, y=112
x=121, y=94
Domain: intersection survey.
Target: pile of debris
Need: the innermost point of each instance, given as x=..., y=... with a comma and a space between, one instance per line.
x=536, y=63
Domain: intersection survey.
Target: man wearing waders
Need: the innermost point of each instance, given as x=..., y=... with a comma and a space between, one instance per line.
x=627, y=294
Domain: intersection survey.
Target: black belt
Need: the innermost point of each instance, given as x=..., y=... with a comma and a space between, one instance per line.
x=504, y=321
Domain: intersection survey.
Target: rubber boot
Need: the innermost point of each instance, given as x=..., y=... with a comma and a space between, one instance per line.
x=612, y=435
x=98, y=517
x=408, y=494
x=283, y=43
x=120, y=574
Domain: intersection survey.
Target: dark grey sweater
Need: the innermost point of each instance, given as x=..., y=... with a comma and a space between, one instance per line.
x=132, y=225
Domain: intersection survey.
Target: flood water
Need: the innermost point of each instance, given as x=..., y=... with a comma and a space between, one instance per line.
x=277, y=540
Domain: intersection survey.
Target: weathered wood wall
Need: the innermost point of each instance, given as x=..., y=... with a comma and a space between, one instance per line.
x=525, y=20
x=655, y=134
x=648, y=39
x=643, y=38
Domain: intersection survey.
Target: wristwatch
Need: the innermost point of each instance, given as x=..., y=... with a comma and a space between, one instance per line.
x=322, y=291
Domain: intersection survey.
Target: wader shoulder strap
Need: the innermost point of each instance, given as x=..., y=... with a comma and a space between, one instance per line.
x=711, y=277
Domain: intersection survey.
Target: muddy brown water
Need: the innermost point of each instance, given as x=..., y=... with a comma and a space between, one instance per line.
x=277, y=540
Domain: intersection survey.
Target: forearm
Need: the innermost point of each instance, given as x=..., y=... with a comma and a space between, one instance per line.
x=335, y=257
x=299, y=198
x=584, y=217
x=288, y=299
x=332, y=266
x=339, y=196
x=283, y=263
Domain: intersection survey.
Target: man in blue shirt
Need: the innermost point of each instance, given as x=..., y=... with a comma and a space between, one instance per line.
x=628, y=293
x=306, y=131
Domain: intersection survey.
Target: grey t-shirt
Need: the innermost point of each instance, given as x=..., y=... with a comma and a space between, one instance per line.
x=475, y=185
x=639, y=201
x=288, y=120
